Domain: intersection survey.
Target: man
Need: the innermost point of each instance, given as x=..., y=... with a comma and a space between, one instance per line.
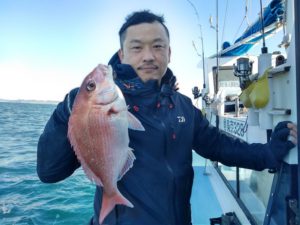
x=160, y=182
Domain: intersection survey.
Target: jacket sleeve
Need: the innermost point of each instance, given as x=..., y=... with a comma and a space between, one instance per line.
x=215, y=145
x=55, y=158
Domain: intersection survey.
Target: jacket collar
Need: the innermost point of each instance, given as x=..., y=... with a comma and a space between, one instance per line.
x=129, y=82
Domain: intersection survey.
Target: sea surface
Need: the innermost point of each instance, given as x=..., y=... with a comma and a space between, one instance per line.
x=24, y=199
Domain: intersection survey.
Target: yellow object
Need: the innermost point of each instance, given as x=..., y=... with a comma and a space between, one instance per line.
x=257, y=94
x=244, y=96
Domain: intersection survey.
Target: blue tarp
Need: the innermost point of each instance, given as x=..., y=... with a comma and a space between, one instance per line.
x=272, y=14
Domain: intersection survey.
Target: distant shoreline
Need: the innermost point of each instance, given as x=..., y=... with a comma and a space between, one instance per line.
x=30, y=101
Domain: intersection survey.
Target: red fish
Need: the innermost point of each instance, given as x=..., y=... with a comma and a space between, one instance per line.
x=98, y=132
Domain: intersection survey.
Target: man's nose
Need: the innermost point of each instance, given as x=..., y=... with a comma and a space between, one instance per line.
x=148, y=54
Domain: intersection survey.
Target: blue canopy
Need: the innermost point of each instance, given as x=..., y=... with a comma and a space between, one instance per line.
x=272, y=14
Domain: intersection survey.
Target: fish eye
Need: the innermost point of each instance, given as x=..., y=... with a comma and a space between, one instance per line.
x=91, y=85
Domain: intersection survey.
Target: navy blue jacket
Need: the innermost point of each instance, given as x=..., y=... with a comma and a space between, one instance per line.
x=160, y=182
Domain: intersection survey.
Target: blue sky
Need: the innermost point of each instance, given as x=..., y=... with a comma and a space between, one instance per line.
x=47, y=47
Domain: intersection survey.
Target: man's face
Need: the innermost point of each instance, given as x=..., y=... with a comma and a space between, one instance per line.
x=146, y=48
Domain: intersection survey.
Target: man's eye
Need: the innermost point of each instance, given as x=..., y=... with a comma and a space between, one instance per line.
x=158, y=46
x=136, y=47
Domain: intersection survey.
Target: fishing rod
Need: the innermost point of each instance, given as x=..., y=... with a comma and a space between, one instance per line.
x=217, y=40
x=216, y=28
x=202, y=45
x=264, y=49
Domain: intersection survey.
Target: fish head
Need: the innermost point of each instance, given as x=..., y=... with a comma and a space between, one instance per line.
x=99, y=86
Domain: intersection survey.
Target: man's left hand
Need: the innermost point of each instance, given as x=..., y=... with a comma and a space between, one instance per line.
x=284, y=138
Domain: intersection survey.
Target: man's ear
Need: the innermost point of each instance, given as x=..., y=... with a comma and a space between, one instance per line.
x=121, y=55
x=169, y=54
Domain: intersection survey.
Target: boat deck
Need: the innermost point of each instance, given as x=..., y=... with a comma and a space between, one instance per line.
x=204, y=202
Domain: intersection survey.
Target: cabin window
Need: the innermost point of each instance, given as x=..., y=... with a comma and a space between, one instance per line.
x=224, y=78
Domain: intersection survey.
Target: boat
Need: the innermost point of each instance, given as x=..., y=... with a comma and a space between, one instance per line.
x=245, y=96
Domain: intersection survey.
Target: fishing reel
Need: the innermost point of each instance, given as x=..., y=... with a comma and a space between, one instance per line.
x=196, y=92
x=243, y=70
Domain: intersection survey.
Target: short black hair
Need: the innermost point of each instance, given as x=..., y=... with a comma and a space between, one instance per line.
x=144, y=16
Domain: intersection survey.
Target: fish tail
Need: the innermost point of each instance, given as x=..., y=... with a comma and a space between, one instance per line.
x=109, y=202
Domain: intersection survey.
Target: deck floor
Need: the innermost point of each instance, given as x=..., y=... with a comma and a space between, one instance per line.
x=204, y=202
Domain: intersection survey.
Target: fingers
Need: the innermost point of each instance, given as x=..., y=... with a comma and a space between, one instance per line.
x=293, y=132
x=286, y=131
x=282, y=125
x=282, y=134
x=292, y=127
x=281, y=131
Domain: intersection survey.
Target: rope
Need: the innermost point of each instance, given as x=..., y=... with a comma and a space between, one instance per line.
x=245, y=18
x=238, y=29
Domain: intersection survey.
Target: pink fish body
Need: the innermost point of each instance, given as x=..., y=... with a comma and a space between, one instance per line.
x=98, y=132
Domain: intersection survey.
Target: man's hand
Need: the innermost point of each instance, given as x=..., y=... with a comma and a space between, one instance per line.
x=293, y=132
x=284, y=138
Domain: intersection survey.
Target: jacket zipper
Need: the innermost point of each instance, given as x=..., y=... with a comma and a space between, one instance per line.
x=169, y=168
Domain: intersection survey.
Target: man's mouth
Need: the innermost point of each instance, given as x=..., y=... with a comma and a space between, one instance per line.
x=148, y=68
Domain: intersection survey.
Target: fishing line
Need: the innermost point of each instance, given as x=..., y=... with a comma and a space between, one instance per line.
x=225, y=18
x=245, y=18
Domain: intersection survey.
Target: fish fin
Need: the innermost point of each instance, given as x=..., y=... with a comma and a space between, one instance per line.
x=134, y=123
x=128, y=163
x=109, y=202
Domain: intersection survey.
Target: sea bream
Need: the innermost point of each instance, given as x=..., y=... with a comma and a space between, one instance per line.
x=98, y=132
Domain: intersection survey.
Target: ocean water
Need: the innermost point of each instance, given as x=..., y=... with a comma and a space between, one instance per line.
x=24, y=199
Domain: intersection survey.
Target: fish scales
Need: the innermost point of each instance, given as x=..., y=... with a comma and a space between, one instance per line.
x=98, y=132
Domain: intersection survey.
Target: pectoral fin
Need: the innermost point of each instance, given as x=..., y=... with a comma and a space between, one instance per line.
x=134, y=123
